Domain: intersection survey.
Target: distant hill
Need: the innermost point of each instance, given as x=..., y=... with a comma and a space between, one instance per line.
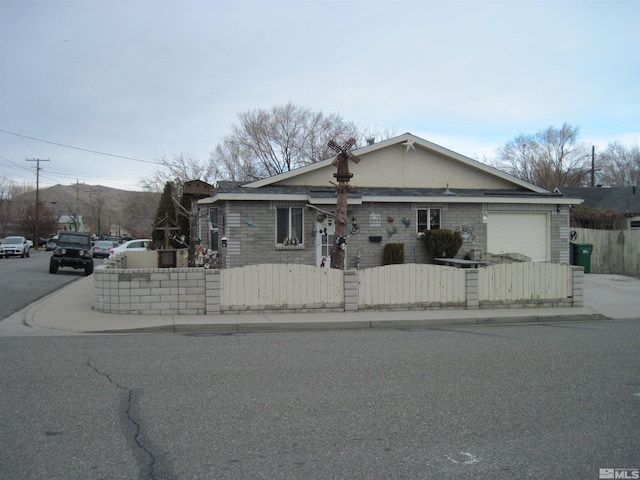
x=104, y=209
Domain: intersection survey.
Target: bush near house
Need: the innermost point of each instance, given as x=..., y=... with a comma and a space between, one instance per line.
x=393, y=253
x=442, y=243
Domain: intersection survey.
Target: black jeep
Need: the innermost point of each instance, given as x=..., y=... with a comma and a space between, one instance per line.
x=73, y=250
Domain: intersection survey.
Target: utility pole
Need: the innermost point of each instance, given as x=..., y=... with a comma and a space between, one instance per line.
x=593, y=165
x=37, y=160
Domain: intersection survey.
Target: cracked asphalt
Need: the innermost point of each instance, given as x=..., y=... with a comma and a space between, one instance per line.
x=141, y=447
x=485, y=402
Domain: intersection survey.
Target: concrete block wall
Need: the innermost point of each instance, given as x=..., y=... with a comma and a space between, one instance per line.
x=452, y=216
x=472, y=289
x=250, y=229
x=350, y=291
x=578, y=286
x=169, y=291
x=212, y=288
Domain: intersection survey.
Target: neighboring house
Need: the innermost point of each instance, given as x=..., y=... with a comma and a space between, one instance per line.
x=401, y=187
x=623, y=203
x=68, y=222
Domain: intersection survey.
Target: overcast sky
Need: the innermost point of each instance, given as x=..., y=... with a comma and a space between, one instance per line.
x=150, y=79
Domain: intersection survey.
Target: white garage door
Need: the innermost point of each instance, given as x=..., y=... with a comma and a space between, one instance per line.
x=525, y=233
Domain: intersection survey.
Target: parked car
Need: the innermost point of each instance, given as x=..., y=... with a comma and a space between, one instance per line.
x=41, y=242
x=102, y=248
x=51, y=243
x=131, y=246
x=73, y=250
x=15, y=246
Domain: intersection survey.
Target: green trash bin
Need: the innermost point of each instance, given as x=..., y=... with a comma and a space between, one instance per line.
x=582, y=255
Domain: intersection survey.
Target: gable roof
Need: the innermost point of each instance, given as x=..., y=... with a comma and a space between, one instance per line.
x=401, y=169
x=428, y=155
x=622, y=200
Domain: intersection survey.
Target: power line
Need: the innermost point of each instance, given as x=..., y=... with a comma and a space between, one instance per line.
x=80, y=148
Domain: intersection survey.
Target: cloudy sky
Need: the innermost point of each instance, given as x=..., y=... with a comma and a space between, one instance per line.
x=146, y=79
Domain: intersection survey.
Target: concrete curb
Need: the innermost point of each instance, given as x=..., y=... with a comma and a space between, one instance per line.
x=276, y=326
x=69, y=309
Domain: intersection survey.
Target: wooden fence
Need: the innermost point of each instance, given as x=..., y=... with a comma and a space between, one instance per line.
x=525, y=282
x=281, y=287
x=614, y=251
x=411, y=285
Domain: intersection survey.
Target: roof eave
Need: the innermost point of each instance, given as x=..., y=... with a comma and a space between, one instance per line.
x=392, y=199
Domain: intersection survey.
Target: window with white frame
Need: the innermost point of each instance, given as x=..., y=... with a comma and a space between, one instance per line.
x=289, y=226
x=634, y=224
x=428, y=219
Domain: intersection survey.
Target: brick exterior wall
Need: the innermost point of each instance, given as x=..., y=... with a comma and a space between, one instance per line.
x=250, y=228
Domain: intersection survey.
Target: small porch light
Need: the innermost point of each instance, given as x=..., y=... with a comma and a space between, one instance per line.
x=224, y=242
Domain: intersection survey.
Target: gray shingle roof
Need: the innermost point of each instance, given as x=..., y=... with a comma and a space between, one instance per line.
x=621, y=200
x=360, y=192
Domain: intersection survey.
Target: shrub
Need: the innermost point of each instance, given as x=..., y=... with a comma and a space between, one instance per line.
x=442, y=243
x=393, y=253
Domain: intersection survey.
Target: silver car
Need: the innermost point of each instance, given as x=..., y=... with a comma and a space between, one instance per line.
x=14, y=246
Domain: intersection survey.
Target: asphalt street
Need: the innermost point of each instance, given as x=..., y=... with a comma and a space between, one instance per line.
x=557, y=400
x=25, y=280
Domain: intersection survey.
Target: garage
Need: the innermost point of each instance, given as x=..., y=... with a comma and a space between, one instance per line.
x=525, y=233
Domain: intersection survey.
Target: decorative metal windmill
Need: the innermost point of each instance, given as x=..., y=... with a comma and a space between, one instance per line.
x=342, y=160
x=343, y=176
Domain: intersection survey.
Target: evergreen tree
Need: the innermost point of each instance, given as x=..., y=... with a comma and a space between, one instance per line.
x=165, y=217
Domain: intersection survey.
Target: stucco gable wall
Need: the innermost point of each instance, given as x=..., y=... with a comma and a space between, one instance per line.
x=396, y=167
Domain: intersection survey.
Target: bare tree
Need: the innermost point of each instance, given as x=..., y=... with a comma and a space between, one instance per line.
x=268, y=142
x=181, y=168
x=619, y=166
x=231, y=163
x=13, y=205
x=551, y=158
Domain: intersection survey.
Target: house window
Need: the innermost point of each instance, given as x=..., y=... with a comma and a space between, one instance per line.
x=289, y=226
x=634, y=224
x=428, y=219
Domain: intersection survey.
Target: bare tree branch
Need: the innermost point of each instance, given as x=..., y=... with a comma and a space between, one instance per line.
x=551, y=158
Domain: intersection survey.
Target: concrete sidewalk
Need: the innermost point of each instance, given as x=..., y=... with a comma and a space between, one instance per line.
x=70, y=310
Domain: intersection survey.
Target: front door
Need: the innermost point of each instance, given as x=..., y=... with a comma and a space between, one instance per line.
x=324, y=242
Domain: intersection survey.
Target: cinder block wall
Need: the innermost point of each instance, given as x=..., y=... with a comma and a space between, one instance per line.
x=171, y=291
